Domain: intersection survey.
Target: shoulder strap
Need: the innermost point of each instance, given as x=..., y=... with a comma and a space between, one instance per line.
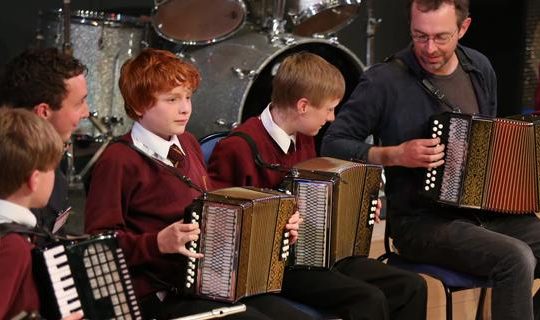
x=7, y=228
x=426, y=84
x=256, y=154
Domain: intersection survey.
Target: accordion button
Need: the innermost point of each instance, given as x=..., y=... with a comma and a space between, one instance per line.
x=191, y=265
x=374, y=202
x=188, y=285
x=191, y=259
x=440, y=126
x=428, y=175
x=435, y=121
x=285, y=242
x=284, y=256
x=427, y=188
x=190, y=279
x=286, y=234
x=427, y=181
x=434, y=129
x=372, y=216
x=432, y=185
x=434, y=135
x=439, y=133
x=433, y=179
x=434, y=172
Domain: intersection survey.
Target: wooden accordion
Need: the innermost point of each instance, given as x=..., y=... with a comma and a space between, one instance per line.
x=490, y=163
x=244, y=243
x=89, y=275
x=337, y=200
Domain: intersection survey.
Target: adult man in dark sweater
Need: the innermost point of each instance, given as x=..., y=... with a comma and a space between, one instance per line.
x=53, y=86
x=144, y=202
x=305, y=91
x=391, y=103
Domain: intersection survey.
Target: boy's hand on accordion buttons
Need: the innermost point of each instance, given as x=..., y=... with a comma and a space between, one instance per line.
x=423, y=153
x=74, y=316
x=378, y=211
x=292, y=226
x=173, y=239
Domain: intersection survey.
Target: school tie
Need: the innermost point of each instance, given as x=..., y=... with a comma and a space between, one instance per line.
x=176, y=156
x=291, y=148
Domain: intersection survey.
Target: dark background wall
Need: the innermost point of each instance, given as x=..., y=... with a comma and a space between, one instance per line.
x=497, y=30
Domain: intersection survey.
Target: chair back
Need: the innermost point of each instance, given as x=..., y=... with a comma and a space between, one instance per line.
x=209, y=142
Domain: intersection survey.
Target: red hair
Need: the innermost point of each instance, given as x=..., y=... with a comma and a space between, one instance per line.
x=150, y=73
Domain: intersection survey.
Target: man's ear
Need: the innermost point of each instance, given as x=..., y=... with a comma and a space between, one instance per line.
x=43, y=110
x=33, y=180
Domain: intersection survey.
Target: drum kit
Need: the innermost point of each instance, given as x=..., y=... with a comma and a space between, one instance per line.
x=237, y=46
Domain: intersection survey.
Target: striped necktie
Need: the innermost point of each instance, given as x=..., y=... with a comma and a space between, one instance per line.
x=176, y=156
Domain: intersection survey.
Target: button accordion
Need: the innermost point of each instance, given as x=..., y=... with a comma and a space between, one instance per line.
x=243, y=240
x=490, y=163
x=89, y=275
x=337, y=200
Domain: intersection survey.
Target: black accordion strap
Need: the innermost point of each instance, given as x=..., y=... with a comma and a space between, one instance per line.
x=426, y=84
x=171, y=170
x=7, y=228
x=256, y=154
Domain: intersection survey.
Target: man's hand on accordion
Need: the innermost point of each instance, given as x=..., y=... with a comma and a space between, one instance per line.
x=416, y=153
x=74, y=316
x=292, y=226
x=173, y=239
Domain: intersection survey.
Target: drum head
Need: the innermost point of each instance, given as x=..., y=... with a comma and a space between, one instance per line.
x=198, y=22
x=325, y=22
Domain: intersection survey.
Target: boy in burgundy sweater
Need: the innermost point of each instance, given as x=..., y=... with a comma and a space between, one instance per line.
x=30, y=150
x=305, y=91
x=145, y=203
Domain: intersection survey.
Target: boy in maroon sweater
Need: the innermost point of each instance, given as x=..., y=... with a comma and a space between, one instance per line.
x=305, y=91
x=30, y=150
x=145, y=203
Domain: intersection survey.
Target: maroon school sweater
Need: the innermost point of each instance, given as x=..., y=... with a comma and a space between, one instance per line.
x=131, y=194
x=232, y=164
x=17, y=285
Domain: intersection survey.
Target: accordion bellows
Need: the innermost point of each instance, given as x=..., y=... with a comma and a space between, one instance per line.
x=244, y=243
x=337, y=200
x=89, y=275
x=490, y=163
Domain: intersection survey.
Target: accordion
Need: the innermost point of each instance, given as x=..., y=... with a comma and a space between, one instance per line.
x=243, y=240
x=490, y=163
x=337, y=200
x=89, y=275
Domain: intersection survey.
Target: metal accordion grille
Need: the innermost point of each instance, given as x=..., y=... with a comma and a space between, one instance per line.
x=456, y=149
x=313, y=206
x=218, y=246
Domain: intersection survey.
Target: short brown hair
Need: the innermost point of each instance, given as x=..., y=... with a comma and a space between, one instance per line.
x=462, y=7
x=38, y=76
x=306, y=75
x=150, y=73
x=27, y=143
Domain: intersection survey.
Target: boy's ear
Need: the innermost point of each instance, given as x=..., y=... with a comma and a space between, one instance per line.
x=33, y=180
x=301, y=105
x=43, y=110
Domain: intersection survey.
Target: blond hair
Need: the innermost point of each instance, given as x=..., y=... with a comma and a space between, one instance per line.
x=306, y=75
x=27, y=143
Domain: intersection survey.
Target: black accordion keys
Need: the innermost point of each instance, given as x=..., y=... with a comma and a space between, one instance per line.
x=337, y=200
x=89, y=275
x=490, y=163
x=243, y=240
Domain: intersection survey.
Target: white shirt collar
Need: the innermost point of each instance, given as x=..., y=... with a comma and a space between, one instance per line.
x=12, y=212
x=278, y=135
x=152, y=144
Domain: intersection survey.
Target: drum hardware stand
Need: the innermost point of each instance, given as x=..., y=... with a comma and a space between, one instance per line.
x=66, y=46
x=75, y=179
x=277, y=22
x=370, y=32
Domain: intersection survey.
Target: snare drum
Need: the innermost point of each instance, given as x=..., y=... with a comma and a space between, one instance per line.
x=103, y=42
x=198, y=22
x=309, y=17
x=237, y=75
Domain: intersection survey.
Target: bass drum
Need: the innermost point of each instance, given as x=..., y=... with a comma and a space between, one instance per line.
x=237, y=76
x=103, y=42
